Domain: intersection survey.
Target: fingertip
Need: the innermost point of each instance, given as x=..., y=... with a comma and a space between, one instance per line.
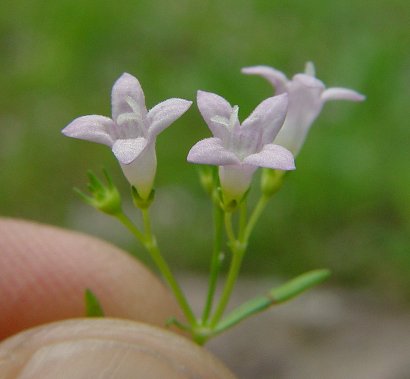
x=106, y=348
x=45, y=271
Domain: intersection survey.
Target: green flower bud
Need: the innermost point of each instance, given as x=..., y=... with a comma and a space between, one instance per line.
x=207, y=179
x=271, y=181
x=105, y=198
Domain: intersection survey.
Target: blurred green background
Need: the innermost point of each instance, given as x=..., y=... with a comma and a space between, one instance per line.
x=346, y=207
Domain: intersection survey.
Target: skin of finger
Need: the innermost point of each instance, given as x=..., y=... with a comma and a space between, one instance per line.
x=105, y=348
x=45, y=270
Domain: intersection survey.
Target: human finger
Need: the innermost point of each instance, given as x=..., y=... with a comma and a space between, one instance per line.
x=105, y=348
x=45, y=270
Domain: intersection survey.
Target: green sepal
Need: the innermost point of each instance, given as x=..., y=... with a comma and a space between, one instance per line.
x=276, y=296
x=231, y=205
x=92, y=305
x=105, y=198
x=140, y=202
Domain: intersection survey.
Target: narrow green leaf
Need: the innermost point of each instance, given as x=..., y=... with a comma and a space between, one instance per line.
x=276, y=296
x=92, y=304
x=298, y=285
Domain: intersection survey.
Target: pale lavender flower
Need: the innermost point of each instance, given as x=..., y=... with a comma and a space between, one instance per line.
x=238, y=149
x=307, y=96
x=132, y=131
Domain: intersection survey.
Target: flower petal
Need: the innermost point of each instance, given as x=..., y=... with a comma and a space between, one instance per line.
x=277, y=78
x=91, y=128
x=141, y=171
x=165, y=113
x=308, y=81
x=211, y=151
x=127, y=150
x=127, y=97
x=337, y=93
x=272, y=156
x=265, y=121
x=235, y=180
x=305, y=104
x=211, y=105
x=310, y=69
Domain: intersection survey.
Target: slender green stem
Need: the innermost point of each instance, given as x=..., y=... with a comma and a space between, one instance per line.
x=215, y=262
x=238, y=247
x=242, y=220
x=260, y=206
x=229, y=228
x=147, y=223
x=149, y=242
x=151, y=245
x=124, y=219
x=229, y=285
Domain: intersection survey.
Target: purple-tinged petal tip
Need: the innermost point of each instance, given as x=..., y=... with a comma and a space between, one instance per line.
x=272, y=156
x=337, y=93
x=211, y=105
x=127, y=96
x=267, y=119
x=277, y=78
x=210, y=151
x=92, y=128
x=165, y=113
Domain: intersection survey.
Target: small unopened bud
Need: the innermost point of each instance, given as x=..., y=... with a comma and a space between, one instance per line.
x=207, y=178
x=105, y=198
x=271, y=181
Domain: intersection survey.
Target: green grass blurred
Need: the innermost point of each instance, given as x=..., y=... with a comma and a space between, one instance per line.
x=346, y=207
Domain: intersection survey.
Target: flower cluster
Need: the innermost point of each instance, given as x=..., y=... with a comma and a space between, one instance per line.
x=270, y=137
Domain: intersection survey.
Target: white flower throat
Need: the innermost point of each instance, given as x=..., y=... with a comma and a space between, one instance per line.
x=131, y=124
x=228, y=123
x=232, y=139
x=235, y=140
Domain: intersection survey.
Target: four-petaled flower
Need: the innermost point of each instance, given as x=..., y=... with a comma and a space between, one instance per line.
x=132, y=131
x=238, y=149
x=306, y=98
